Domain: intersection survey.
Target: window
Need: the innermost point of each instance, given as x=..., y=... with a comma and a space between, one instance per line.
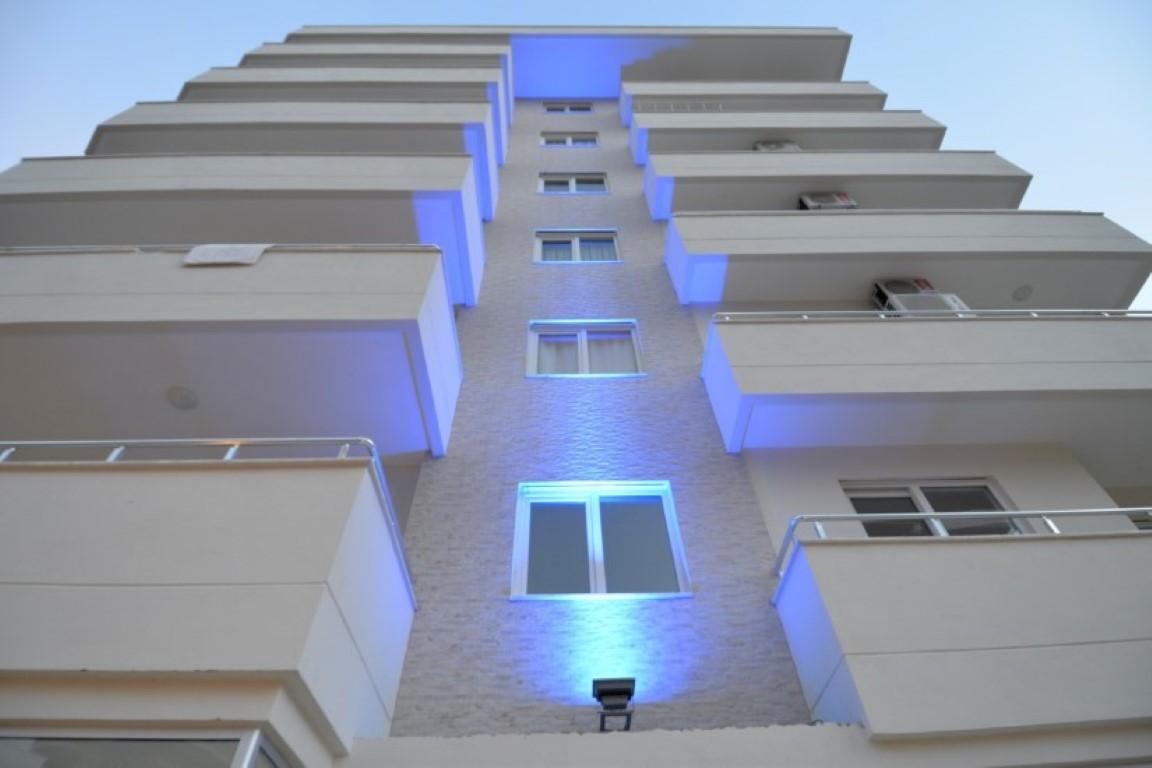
x=573, y=183
x=224, y=750
x=557, y=246
x=568, y=107
x=596, y=538
x=583, y=348
x=929, y=497
x=579, y=140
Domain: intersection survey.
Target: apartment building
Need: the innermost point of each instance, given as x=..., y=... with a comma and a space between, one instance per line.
x=364, y=404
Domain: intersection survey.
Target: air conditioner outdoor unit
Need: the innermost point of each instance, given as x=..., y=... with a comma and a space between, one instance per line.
x=781, y=145
x=817, y=201
x=910, y=294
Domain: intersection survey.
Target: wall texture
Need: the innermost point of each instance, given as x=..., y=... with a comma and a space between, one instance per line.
x=480, y=663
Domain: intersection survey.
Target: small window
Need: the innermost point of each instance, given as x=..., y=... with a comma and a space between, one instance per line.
x=583, y=348
x=568, y=107
x=573, y=183
x=557, y=246
x=597, y=538
x=930, y=497
x=570, y=140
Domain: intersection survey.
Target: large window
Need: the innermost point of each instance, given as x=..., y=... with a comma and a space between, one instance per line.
x=573, y=183
x=557, y=246
x=583, y=348
x=558, y=140
x=597, y=538
x=930, y=497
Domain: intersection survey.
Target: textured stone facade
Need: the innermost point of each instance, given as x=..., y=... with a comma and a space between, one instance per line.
x=479, y=662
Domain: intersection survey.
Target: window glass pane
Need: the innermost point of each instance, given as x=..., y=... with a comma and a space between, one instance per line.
x=888, y=505
x=584, y=140
x=581, y=107
x=558, y=549
x=611, y=352
x=555, y=141
x=557, y=353
x=556, y=185
x=589, y=184
x=554, y=108
x=968, y=498
x=264, y=760
x=597, y=249
x=637, y=551
x=114, y=753
x=556, y=250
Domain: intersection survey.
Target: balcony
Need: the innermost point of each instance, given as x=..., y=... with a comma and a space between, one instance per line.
x=977, y=635
x=1078, y=378
x=255, y=583
x=310, y=340
x=812, y=131
x=431, y=84
x=734, y=96
x=199, y=128
x=178, y=199
x=767, y=181
x=828, y=259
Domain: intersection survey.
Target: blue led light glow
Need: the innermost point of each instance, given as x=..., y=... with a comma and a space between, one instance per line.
x=580, y=66
x=577, y=641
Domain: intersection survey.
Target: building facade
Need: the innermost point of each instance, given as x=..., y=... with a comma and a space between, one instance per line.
x=367, y=402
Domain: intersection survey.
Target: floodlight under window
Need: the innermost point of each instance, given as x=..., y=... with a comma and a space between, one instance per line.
x=615, y=697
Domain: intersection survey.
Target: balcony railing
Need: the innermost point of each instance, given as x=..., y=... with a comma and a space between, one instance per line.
x=930, y=314
x=820, y=524
x=230, y=450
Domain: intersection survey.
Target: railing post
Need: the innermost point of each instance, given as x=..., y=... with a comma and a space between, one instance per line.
x=1052, y=527
x=231, y=452
x=6, y=453
x=114, y=454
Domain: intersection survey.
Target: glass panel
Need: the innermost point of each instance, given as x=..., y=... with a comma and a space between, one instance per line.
x=264, y=760
x=968, y=498
x=637, y=550
x=557, y=353
x=558, y=549
x=556, y=185
x=890, y=505
x=556, y=250
x=579, y=107
x=597, y=249
x=611, y=352
x=555, y=141
x=584, y=140
x=116, y=753
x=590, y=184
x=554, y=108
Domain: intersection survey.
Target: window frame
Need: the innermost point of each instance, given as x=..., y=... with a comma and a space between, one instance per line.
x=574, y=236
x=567, y=107
x=569, y=139
x=590, y=492
x=914, y=490
x=249, y=742
x=581, y=329
x=571, y=177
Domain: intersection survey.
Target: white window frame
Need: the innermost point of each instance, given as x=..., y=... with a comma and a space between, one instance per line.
x=589, y=493
x=574, y=235
x=569, y=139
x=571, y=179
x=250, y=742
x=536, y=328
x=567, y=107
x=914, y=490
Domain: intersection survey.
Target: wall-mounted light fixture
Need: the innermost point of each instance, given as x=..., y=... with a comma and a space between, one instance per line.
x=615, y=697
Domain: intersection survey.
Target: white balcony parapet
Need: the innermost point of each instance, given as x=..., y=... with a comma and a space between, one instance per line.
x=230, y=449
x=766, y=181
x=205, y=128
x=928, y=314
x=724, y=131
x=287, y=199
x=990, y=258
x=737, y=96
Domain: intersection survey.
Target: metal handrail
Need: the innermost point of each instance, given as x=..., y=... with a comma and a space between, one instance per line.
x=927, y=314
x=784, y=555
x=232, y=447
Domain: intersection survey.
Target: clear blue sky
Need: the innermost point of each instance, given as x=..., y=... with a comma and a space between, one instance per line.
x=1063, y=89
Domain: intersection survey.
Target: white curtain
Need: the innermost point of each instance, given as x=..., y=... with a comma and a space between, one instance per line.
x=597, y=249
x=611, y=352
x=556, y=250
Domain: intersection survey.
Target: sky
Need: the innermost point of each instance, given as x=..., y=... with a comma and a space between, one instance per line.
x=1062, y=89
